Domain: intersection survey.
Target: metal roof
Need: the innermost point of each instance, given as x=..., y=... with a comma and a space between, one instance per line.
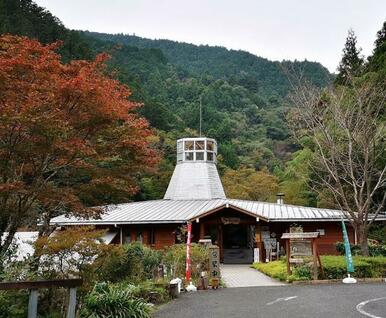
x=180, y=211
x=195, y=181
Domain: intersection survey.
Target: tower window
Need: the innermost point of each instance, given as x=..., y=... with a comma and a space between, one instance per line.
x=209, y=156
x=210, y=145
x=189, y=145
x=199, y=155
x=189, y=156
x=200, y=145
x=179, y=157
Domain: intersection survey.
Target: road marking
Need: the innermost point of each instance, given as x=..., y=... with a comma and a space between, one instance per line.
x=363, y=303
x=281, y=299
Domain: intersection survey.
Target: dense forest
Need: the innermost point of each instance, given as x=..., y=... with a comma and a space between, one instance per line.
x=243, y=97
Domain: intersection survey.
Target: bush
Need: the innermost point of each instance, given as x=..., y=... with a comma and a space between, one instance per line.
x=175, y=260
x=378, y=232
x=334, y=268
x=13, y=304
x=110, y=301
x=374, y=249
x=152, y=293
x=133, y=262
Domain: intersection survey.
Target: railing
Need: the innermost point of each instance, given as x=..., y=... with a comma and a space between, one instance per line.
x=33, y=287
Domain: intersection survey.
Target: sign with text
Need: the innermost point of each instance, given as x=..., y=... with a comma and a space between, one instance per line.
x=231, y=220
x=214, y=262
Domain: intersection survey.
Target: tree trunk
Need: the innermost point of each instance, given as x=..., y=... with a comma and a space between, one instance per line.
x=362, y=238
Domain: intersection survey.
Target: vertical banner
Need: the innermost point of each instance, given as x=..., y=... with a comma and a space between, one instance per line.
x=188, y=242
x=349, y=262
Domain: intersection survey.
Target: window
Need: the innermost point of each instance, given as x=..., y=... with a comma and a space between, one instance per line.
x=210, y=145
x=209, y=156
x=179, y=157
x=152, y=236
x=127, y=237
x=139, y=236
x=200, y=155
x=200, y=145
x=189, y=156
x=189, y=145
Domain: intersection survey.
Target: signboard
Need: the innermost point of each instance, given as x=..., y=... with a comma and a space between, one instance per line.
x=225, y=220
x=301, y=248
x=214, y=262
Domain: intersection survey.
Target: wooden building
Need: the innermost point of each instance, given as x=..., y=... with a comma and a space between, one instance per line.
x=195, y=194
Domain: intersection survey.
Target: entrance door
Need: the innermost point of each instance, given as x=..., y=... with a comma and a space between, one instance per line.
x=236, y=245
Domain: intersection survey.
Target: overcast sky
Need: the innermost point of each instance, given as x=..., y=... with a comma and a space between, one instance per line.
x=276, y=29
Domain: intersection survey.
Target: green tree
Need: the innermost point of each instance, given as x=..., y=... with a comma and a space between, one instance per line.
x=351, y=63
x=249, y=184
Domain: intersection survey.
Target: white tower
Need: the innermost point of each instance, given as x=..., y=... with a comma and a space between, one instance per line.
x=195, y=176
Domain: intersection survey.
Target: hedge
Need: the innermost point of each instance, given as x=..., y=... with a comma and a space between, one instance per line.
x=334, y=268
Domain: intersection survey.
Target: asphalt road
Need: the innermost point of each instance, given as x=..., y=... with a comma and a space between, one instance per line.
x=332, y=301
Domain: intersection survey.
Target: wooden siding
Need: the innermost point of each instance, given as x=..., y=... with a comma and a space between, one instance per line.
x=164, y=234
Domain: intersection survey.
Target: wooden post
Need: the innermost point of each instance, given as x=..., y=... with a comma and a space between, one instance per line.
x=33, y=303
x=72, y=303
x=314, y=256
x=288, y=250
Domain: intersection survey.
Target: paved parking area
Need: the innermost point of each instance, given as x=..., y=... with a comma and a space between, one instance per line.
x=245, y=276
x=316, y=301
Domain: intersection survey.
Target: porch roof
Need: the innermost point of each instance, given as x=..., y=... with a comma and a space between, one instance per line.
x=180, y=211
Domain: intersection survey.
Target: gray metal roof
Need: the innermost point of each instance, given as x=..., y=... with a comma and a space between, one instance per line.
x=180, y=211
x=195, y=181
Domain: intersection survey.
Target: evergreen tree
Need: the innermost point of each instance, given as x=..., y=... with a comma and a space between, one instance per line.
x=377, y=62
x=352, y=62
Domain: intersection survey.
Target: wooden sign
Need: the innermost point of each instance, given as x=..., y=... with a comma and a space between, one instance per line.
x=214, y=262
x=301, y=248
x=225, y=220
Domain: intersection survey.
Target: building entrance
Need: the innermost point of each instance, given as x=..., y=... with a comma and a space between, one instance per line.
x=237, y=247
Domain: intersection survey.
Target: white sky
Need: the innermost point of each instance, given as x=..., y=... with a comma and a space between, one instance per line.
x=275, y=29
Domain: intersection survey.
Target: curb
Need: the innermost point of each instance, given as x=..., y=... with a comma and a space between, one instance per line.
x=337, y=281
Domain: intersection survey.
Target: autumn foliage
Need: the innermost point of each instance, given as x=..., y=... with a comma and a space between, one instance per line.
x=69, y=136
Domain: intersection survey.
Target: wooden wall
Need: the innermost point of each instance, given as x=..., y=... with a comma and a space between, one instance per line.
x=164, y=234
x=326, y=242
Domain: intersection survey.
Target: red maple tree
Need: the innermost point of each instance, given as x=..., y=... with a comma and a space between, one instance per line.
x=68, y=135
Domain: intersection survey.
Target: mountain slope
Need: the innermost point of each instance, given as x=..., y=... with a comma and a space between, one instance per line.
x=239, y=67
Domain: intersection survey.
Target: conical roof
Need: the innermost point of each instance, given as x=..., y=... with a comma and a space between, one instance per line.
x=195, y=176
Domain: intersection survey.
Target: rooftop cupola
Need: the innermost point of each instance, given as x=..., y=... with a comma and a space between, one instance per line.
x=195, y=176
x=196, y=150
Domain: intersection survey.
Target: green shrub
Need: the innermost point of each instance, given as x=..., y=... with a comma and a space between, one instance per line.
x=110, y=301
x=378, y=232
x=13, y=304
x=303, y=272
x=133, y=262
x=374, y=249
x=274, y=269
x=152, y=293
x=334, y=268
x=175, y=260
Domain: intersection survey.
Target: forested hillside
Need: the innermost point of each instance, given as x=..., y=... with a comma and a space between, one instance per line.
x=243, y=96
